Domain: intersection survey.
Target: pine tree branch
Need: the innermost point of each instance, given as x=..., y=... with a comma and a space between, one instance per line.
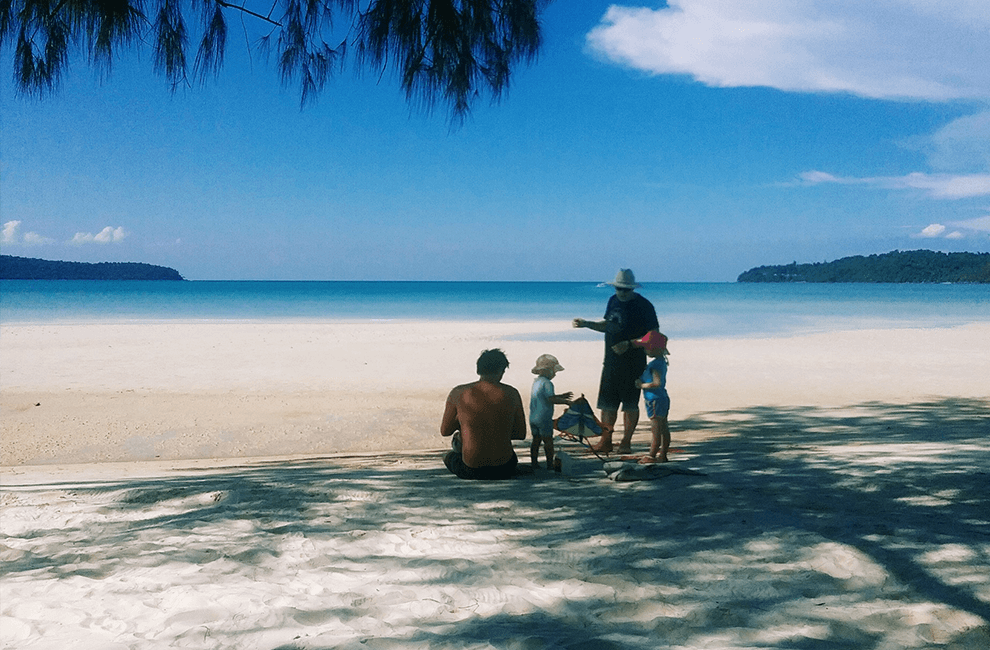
x=228, y=5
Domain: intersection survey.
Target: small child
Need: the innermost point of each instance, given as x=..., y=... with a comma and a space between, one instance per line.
x=654, y=385
x=541, y=403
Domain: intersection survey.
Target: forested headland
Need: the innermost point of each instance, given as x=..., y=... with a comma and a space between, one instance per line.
x=920, y=266
x=29, y=268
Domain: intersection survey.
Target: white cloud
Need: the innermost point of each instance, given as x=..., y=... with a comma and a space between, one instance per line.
x=9, y=233
x=939, y=186
x=109, y=234
x=980, y=224
x=896, y=49
x=106, y=236
x=961, y=229
x=933, y=230
x=34, y=239
x=961, y=144
x=814, y=177
x=942, y=186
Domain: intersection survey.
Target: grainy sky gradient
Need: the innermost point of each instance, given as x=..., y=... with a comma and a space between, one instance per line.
x=689, y=141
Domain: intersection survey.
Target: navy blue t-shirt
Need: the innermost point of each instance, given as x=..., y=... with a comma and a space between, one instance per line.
x=628, y=320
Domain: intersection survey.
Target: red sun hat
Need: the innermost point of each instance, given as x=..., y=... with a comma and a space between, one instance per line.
x=653, y=341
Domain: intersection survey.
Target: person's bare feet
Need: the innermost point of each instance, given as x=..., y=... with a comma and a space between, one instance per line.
x=603, y=447
x=650, y=460
x=624, y=449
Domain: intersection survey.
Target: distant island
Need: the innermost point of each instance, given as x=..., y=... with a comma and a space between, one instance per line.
x=28, y=268
x=908, y=266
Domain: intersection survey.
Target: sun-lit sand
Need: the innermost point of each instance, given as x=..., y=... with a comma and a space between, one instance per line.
x=99, y=392
x=240, y=485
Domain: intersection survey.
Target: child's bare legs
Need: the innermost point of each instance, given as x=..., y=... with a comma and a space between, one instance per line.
x=660, y=443
x=534, y=451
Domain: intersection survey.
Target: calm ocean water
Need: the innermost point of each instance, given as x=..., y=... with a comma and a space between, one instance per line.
x=684, y=309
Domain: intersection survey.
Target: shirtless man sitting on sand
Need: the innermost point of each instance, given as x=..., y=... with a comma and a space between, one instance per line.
x=489, y=416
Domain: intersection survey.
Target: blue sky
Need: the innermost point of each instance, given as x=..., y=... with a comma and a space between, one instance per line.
x=688, y=141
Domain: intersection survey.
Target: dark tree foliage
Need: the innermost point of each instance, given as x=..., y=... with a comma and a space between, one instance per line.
x=444, y=51
x=897, y=266
x=29, y=268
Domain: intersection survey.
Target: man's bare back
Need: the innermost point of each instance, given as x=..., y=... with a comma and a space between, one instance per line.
x=489, y=415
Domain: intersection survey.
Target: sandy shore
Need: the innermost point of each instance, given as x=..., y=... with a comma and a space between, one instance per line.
x=282, y=489
x=98, y=392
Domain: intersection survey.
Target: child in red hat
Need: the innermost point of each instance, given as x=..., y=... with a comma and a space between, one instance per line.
x=653, y=382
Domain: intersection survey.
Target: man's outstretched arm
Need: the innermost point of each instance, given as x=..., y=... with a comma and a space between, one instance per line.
x=597, y=325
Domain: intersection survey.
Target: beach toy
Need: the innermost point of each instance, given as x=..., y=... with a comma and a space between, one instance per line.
x=579, y=420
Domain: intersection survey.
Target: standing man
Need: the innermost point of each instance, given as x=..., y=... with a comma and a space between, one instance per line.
x=628, y=316
x=489, y=415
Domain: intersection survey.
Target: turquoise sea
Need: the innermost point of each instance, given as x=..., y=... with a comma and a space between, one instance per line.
x=684, y=309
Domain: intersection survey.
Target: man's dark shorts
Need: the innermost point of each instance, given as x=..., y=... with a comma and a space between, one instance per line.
x=455, y=463
x=618, y=383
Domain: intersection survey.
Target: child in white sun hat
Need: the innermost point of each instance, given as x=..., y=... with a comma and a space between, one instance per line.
x=541, y=401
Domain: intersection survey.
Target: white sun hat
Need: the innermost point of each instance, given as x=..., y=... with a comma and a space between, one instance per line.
x=625, y=279
x=546, y=361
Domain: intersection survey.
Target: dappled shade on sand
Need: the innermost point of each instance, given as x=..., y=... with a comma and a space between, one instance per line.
x=859, y=527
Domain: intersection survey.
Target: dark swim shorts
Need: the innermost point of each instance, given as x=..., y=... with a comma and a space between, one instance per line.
x=455, y=463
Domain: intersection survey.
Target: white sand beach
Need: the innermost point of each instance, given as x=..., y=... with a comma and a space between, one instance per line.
x=136, y=391
x=241, y=485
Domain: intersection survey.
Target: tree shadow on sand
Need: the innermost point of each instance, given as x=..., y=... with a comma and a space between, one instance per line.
x=862, y=527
